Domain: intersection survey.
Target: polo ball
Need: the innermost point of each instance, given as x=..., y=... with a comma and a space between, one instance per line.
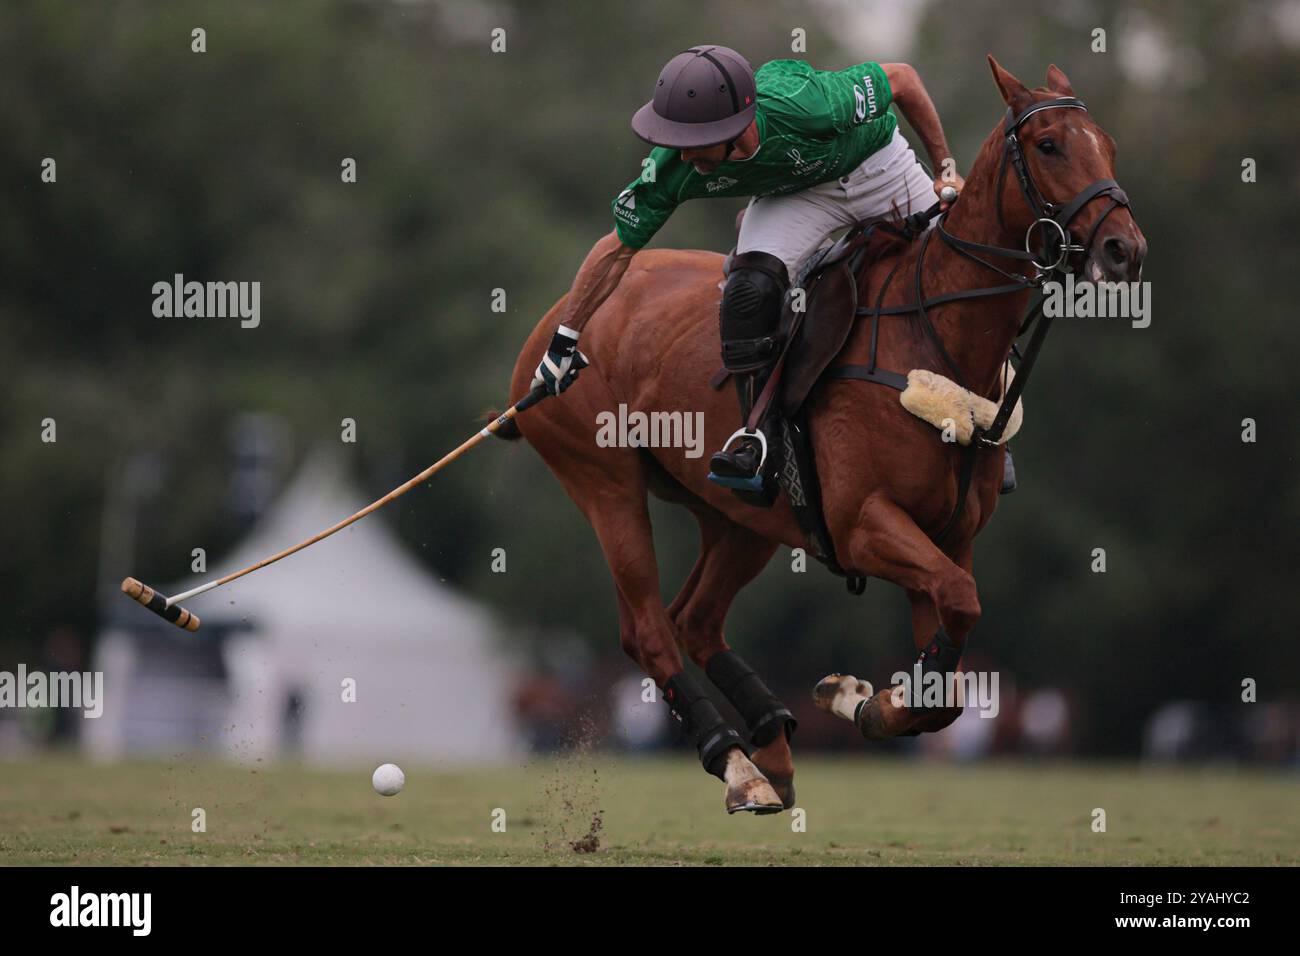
x=388, y=779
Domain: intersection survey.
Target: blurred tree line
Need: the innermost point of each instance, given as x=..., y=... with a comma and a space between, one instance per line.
x=479, y=171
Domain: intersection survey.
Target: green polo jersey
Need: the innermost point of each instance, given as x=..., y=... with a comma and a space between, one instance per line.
x=813, y=126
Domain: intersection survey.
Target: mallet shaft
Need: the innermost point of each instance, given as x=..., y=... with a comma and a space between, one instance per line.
x=168, y=607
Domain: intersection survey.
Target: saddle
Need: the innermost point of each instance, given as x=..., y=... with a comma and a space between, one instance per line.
x=813, y=337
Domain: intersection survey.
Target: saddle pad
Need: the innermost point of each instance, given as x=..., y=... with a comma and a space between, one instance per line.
x=933, y=398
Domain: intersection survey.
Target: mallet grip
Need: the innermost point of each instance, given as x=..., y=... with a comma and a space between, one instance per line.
x=537, y=393
x=138, y=591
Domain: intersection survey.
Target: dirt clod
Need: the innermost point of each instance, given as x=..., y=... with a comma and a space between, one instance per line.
x=591, y=842
x=570, y=799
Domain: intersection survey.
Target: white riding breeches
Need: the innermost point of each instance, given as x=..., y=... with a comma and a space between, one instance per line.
x=794, y=225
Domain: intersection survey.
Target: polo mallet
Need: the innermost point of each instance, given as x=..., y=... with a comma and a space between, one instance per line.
x=169, y=608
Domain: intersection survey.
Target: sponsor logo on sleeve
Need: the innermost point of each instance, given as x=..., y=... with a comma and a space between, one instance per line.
x=625, y=207
x=871, y=94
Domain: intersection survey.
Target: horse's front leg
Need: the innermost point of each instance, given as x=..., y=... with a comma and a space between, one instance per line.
x=888, y=544
x=925, y=622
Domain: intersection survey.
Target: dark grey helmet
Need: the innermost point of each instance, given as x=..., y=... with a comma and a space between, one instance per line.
x=704, y=97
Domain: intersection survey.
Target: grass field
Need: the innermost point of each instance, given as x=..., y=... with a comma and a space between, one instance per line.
x=860, y=811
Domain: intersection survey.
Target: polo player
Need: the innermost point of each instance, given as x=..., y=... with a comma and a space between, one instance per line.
x=816, y=150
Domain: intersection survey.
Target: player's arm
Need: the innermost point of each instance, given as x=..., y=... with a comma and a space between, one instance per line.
x=597, y=278
x=639, y=211
x=913, y=101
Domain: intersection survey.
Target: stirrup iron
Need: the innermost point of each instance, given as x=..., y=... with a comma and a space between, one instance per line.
x=755, y=481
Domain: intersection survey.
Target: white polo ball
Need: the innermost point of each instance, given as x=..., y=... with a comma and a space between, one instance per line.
x=388, y=779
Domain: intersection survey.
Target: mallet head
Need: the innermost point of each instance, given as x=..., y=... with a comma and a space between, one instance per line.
x=157, y=603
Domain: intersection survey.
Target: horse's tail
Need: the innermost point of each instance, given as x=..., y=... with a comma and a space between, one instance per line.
x=509, y=430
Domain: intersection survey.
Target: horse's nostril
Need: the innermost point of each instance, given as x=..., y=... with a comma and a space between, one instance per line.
x=1117, y=250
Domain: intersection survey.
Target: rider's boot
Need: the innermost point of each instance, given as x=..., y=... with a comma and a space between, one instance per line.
x=750, y=317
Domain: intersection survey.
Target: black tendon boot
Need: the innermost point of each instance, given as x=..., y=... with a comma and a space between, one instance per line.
x=939, y=657
x=703, y=725
x=765, y=716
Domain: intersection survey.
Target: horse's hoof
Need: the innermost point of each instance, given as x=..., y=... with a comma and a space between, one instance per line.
x=784, y=789
x=747, y=789
x=775, y=762
x=840, y=694
x=872, y=722
x=879, y=718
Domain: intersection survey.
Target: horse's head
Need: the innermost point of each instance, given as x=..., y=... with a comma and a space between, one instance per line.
x=1057, y=167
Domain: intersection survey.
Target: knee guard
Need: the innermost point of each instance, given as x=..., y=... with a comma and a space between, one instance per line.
x=764, y=714
x=703, y=725
x=751, y=311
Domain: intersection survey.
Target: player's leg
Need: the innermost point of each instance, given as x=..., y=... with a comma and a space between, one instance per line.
x=776, y=235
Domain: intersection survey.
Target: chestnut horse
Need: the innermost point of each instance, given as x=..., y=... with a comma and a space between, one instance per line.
x=889, y=483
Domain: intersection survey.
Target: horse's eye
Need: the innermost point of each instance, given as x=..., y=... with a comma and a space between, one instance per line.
x=1046, y=146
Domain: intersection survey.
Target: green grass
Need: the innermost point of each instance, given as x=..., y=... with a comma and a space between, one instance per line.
x=860, y=811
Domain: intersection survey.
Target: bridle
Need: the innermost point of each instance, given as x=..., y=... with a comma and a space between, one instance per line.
x=1057, y=244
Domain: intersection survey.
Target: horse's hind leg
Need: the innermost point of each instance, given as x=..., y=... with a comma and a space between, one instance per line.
x=613, y=497
x=730, y=557
x=888, y=544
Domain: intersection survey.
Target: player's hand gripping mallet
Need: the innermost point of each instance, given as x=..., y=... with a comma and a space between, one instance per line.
x=169, y=608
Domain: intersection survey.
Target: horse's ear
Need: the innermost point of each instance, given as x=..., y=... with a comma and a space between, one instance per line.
x=1058, y=82
x=1014, y=93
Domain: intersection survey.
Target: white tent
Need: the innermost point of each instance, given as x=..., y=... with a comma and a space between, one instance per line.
x=351, y=616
